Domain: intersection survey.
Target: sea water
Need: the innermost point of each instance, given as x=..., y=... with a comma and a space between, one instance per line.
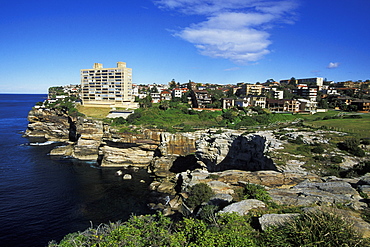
x=43, y=198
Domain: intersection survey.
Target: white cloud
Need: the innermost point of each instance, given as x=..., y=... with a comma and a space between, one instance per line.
x=232, y=69
x=235, y=29
x=333, y=65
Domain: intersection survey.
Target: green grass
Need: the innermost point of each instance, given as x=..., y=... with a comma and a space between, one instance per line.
x=357, y=126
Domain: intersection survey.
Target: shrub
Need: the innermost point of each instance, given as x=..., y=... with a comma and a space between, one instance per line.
x=359, y=169
x=318, y=150
x=298, y=140
x=198, y=194
x=351, y=145
x=336, y=159
x=319, y=158
x=365, y=141
x=314, y=229
x=256, y=191
x=118, y=121
x=304, y=149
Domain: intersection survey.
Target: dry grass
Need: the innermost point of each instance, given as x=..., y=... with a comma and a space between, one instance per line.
x=95, y=112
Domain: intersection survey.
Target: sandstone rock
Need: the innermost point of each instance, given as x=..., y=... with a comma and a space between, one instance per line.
x=177, y=144
x=233, y=151
x=243, y=207
x=365, y=180
x=86, y=149
x=117, y=156
x=327, y=193
x=220, y=187
x=220, y=200
x=161, y=166
x=268, y=220
x=53, y=125
x=62, y=150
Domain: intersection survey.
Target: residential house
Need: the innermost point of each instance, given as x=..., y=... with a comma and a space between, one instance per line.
x=156, y=97
x=258, y=101
x=228, y=103
x=165, y=95
x=201, y=98
x=307, y=106
x=316, y=81
x=242, y=102
x=362, y=104
x=283, y=105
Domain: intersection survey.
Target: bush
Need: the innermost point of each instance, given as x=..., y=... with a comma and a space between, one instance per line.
x=365, y=141
x=198, y=194
x=319, y=158
x=298, y=140
x=336, y=159
x=256, y=191
x=304, y=149
x=351, y=145
x=314, y=229
x=318, y=150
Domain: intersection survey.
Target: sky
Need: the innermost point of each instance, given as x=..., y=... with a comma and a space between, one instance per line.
x=47, y=43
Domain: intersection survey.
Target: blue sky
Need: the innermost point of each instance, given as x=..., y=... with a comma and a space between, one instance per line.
x=46, y=43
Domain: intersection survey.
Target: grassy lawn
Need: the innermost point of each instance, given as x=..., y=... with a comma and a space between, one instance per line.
x=359, y=127
x=95, y=112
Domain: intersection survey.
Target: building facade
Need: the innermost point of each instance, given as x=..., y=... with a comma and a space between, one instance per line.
x=107, y=87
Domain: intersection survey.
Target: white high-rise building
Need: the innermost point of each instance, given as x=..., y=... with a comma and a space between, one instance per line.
x=107, y=87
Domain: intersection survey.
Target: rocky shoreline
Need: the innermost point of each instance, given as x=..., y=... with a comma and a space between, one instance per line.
x=225, y=160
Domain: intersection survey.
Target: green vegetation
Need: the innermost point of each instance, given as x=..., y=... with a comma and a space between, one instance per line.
x=351, y=145
x=175, y=116
x=314, y=229
x=358, y=125
x=54, y=91
x=198, y=194
x=66, y=104
x=308, y=229
x=256, y=191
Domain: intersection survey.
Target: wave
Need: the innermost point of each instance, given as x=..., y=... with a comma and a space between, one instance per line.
x=42, y=143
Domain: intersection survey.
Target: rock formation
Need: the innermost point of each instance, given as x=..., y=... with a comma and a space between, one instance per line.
x=225, y=161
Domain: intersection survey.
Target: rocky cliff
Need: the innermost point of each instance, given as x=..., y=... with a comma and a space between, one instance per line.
x=164, y=152
x=52, y=125
x=225, y=161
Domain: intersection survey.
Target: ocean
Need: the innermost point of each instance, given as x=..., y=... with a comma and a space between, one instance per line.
x=43, y=198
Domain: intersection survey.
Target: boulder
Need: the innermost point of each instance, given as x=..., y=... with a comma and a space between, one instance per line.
x=268, y=220
x=230, y=150
x=220, y=187
x=127, y=176
x=62, y=150
x=243, y=207
x=326, y=193
x=220, y=200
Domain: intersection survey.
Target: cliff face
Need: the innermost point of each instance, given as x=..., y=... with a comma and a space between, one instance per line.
x=229, y=150
x=164, y=153
x=53, y=125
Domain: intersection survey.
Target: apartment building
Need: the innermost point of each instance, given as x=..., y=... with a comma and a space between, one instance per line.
x=107, y=87
x=252, y=89
x=316, y=81
x=303, y=90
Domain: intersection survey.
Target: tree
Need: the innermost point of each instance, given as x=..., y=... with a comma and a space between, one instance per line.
x=164, y=105
x=154, y=89
x=293, y=81
x=172, y=84
x=198, y=194
x=145, y=102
